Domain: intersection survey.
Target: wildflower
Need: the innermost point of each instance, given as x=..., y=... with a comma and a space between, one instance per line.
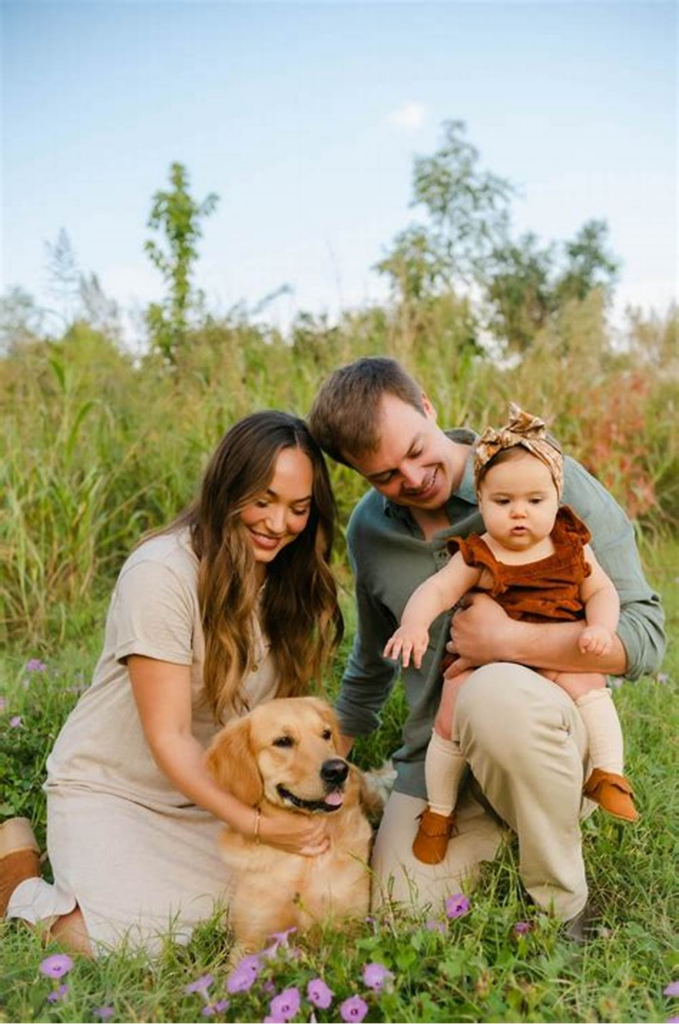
x=353, y=1009
x=56, y=966
x=221, y=1005
x=201, y=985
x=280, y=940
x=673, y=1020
x=457, y=905
x=103, y=1012
x=244, y=975
x=662, y=677
x=208, y=1010
x=376, y=976
x=435, y=926
x=672, y=989
x=286, y=1005
x=58, y=994
x=522, y=927
x=35, y=665
x=319, y=994
x=15, y=721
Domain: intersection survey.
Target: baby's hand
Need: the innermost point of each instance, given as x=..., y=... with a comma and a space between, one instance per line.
x=596, y=640
x=407, y=641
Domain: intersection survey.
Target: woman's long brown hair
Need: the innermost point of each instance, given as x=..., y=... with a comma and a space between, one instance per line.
x=298, y=610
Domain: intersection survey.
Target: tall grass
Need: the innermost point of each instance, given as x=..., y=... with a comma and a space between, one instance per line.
x=98, y=448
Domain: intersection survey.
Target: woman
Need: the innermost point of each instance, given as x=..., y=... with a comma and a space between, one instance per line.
x=232, y=604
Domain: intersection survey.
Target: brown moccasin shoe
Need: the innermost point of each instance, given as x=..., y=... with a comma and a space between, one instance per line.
x=613, y=793
x=431, y=841
x=19, y=857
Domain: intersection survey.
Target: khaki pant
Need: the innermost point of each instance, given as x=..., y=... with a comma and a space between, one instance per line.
x=526, y=745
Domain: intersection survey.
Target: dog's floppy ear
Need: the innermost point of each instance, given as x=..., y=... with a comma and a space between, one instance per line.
x=231, y=761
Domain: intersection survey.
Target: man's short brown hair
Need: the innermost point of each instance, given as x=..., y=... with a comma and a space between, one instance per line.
x=345, y=416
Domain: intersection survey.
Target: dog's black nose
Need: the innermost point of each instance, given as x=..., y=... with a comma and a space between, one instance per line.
x=334, y=771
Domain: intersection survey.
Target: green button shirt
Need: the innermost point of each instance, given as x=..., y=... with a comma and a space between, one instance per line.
x=390, y=558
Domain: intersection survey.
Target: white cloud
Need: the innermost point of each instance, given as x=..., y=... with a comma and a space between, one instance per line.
x=409, y=116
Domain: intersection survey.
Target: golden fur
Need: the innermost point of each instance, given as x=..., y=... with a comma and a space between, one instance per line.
x=277, y=751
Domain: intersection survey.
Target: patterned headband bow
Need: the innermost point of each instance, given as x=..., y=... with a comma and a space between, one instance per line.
x=525, y=431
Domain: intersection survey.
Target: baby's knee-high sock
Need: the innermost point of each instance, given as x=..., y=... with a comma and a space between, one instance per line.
x=443, y=770
x=603, y=730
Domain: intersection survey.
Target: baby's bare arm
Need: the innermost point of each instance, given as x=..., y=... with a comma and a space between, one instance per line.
x=602, y=609
x=437, y=594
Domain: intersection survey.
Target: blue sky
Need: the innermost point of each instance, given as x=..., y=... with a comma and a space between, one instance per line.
x=305, y=117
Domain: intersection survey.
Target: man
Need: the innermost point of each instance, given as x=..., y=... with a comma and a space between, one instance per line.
x=521, y=735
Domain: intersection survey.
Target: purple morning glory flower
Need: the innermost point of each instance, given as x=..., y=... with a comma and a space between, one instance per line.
x=522, y=927
x=353, y=1009
x=35, y=665
x=435, y=926
x=672, y=989
x=103, y=1012
x=457, y=905
x=201, y=985
x=58, y=994
x=15, y=721
x=56, y=966
x=221, y=1005
x=376, y=976
x=286, y=1005
x=244, y=975
x=319, y=994
x=280, y=940
x=208, y=1010
x=673, y=1020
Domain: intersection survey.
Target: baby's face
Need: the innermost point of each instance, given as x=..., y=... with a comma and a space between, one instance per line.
x=518, y=501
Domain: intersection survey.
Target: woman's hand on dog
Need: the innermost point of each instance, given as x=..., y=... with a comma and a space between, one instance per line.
x=294, y=833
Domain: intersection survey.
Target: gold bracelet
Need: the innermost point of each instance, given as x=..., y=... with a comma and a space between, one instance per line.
x=258, y=819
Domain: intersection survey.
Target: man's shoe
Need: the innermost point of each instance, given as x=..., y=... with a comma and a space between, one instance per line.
x=613, y=793
x=19, y=857
x=431, y=841
x=583, y=927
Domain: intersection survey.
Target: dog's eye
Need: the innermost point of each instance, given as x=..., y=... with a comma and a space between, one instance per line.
x=327, y=734
x=283, y=741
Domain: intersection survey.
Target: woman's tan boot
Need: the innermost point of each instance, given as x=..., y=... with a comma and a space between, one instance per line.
x=19, y=857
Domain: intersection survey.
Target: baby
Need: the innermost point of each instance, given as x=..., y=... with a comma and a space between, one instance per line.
x=535, y=560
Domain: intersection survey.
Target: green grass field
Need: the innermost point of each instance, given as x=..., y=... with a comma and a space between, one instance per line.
x=472, y=968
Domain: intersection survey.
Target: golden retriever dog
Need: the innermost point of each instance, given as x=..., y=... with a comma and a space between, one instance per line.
x=285, y=754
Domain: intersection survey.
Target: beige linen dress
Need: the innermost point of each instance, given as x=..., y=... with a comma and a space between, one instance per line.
x=135, y=854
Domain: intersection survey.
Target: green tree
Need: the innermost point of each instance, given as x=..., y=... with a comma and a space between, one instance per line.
x=467, y=217
x=588, y=264
x=64, y=276
x=176, y=215
x=518, y=290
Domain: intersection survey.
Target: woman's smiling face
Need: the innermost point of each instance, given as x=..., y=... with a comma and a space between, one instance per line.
x=275, y=517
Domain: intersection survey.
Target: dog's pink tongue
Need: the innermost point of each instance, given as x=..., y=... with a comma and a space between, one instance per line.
x=335, y=799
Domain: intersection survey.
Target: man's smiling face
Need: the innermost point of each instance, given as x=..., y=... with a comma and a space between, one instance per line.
x=413, y=464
